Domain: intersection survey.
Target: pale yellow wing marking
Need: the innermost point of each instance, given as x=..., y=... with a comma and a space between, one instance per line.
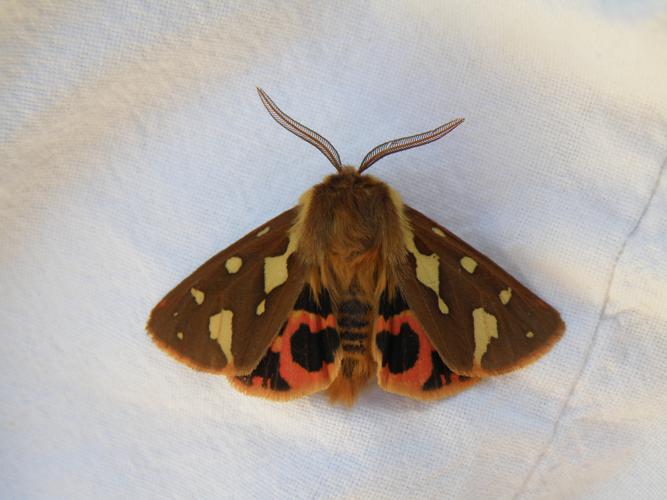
x=505, y=296
x=486, y=328
x=438, y=231
x=275, y=268
x=198, y=296
x=530, y=335
x=233, y=265
x=469, y=264
x=428, y=270
x=179, y=335
x=220, y=328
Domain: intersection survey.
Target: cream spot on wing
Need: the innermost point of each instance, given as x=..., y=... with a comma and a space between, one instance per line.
x=198, y=295
x=486, y=328
x=179, y=335
x=275, y=268
x=263, y=231
x=438, y=231
x=469, y=264
x=505, y=296
x=530, y=335
x=175, y=314
x=261, y=307
x=233, y=265
x=220, y=328
x=428, y=270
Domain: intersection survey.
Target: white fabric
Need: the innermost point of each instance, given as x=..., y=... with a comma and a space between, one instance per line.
x=134, y=146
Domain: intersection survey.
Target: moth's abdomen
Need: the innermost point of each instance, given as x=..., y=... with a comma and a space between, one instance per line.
x=354, y=320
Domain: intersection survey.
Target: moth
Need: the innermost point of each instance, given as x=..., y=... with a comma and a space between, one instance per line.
x=349, y=283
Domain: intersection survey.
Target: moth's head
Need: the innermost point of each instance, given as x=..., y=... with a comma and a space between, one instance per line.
x=347, y=182
x=349, y=190
x=373, y=155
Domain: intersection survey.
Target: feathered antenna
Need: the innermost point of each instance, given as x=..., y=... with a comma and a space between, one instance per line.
x=404, y=143
x=301, y=131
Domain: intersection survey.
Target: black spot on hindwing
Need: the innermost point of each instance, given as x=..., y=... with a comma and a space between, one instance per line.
x=392, y=307
x=312, y=349
x=309, y=349
x=268, y=371
x=306, y=302
x=399, y=352
x=441, y=374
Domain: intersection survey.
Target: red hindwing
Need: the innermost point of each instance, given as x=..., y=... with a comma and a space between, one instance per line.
x=302, y=359
x=407, y=362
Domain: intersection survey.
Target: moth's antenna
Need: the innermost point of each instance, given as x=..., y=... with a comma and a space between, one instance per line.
x=299, y=130
x=404, y=143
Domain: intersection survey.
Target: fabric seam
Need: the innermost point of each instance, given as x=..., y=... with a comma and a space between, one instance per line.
x=587, y=357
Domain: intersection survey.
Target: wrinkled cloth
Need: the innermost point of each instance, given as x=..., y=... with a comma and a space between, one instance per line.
x=133, y=146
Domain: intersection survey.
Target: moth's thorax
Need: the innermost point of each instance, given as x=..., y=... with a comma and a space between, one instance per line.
x=351, y=230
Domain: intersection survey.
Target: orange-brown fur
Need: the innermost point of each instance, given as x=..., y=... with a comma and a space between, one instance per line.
x=352, y=245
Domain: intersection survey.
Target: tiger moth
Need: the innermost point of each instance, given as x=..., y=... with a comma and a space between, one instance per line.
x=349, y=283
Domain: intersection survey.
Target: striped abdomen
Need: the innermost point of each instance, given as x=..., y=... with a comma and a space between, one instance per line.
x=354, y=320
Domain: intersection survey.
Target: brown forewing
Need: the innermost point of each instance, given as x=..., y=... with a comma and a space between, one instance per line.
x=180, y=326
x=526, y=325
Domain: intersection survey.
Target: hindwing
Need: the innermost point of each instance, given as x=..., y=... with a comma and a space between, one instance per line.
x=480, y=319
x=223, y=317
x=304, y=358
x=407, y=362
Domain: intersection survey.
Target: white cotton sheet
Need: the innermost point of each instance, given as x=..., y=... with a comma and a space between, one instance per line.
x=133, y=146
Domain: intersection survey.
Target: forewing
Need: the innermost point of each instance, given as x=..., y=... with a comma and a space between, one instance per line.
x=223, y=317
x=305, y=356
x=480, y=319
x=407, y=362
